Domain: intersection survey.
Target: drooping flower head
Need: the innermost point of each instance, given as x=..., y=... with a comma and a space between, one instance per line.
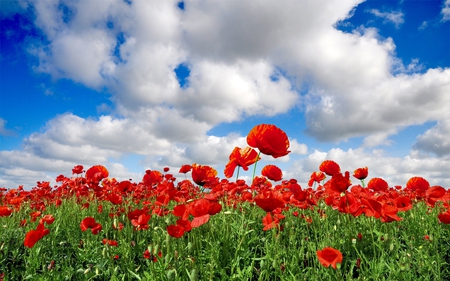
x=240, y=157
x=269, y=139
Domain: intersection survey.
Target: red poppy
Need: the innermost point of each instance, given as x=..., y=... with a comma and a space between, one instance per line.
x=378, y=184
x=339, y=183
x=141, y=222
x=403, y=203
x=5, y=211
x=166, y=169
x=77, y=169
x=147, y=255
x=152, y=177
x=33, y=235
x=444, y=217
x=112, y=243
x=269, y=200
x=48, y=219
x=185, y=168
x=90, y=223
x=96, y=173
x=272, y=172
x=434, y=194
x=175, y=231
x=329, y=256
x=240, y=157
x=269, y=139
x=270, y=221
x=417, y=183
x=330, y=167
x=361, y=173
x=316, y=177
x=202, y=175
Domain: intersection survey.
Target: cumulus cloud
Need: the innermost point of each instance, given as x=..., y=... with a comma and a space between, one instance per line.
x=435, y=140
x=246, y=59
x=394, y=17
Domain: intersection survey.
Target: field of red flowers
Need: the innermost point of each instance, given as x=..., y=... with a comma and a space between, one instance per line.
x=92, y=227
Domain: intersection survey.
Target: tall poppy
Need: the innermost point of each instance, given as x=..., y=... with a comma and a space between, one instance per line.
x=269, y=139
x=329, y=256
x=272, y=172
x=240, y=157
x=361, y=173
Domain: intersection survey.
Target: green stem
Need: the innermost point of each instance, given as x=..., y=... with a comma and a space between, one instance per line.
x=254, y=168
x=237, y=174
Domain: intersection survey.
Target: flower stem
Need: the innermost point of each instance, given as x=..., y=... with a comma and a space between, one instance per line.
x=254, y=168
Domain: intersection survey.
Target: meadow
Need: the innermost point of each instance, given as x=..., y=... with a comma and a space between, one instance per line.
x=197, y=226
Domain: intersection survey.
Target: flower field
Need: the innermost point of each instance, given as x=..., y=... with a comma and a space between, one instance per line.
x=196, y=226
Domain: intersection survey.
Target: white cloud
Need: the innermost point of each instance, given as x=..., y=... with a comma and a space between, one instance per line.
x=446, y=11
x=394, y=17
x=246, y=59
x=436, y=139
x=3, y=130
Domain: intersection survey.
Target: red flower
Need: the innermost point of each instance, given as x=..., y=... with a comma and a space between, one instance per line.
x=152, y=177
x=269, y=139
x=33, y=236
x=5, y=211
x=444, y=217
x=270, y=221
x=329, y=256
x=330, y=167
x=339, y=183
x=202, y=175
x=166, y=169
x=316, y=177
x=377, y=184
x=112, y=243
x=48, y=219
x=272, y=172
x=269, y=200
x=240, y=157
x=361, y=173
x=175, y=231
x=185, y=168
x=77, y=169
x=90, y=223
x=96, y=173
x=141, y=222
x=147, y=255
x=417, y=183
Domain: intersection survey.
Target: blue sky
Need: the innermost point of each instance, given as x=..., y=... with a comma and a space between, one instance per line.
x=136, y=85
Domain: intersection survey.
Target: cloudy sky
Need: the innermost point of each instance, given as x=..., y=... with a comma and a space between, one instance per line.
x=137, y=84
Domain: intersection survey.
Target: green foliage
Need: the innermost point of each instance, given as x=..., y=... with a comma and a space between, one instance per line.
x=231, y=246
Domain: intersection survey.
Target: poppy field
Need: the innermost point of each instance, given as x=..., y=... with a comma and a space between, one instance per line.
x=192, y=225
